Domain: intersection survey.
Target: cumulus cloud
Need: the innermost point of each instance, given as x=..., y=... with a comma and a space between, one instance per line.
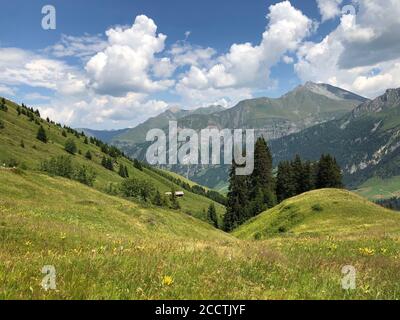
x=247, y=66
x=360, y=54
x=125, y=63
x=329, y=9
x=21, y=67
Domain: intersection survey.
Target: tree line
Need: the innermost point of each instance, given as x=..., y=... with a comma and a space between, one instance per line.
x=250, y=195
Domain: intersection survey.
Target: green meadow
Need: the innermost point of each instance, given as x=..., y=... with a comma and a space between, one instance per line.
x=106, y=247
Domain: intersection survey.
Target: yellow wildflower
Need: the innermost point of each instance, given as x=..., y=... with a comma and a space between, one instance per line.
x=167, y=281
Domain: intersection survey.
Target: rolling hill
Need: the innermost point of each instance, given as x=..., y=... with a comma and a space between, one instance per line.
x=322, y=213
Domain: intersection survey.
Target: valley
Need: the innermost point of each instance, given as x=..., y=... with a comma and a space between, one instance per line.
x=104, y=246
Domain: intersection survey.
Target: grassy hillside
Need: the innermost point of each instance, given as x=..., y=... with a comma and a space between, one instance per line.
x=17, y=128
x=378, y=189
x=104, y=247
x=322, y=212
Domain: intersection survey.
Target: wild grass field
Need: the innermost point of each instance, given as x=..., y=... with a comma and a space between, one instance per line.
x=106, y=247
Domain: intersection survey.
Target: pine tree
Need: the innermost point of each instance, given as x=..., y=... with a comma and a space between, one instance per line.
x=137, y=164
x=212, y=215
x=123, y=171
x=126, y=172
x=262, y=180
x=238, y=200
x=285, y=182
x=158, y=199
x=86, y=141
x=41, y=135
x=329, y=174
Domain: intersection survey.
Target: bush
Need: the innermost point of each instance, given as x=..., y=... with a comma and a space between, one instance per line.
x=139, y=189
x=58, y=166
x=88, y=155
x=2, y=126
x=62, y=166
x=85, y=175
x=70, y=146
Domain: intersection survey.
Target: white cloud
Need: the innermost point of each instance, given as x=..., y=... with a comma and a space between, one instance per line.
x=82, y=47
x=247, y=66
x=7, y=91
x=360, y=55
x=125, y=63
x=329, y=9
x=20, y=67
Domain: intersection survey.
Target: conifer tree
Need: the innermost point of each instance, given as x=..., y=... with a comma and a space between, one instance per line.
x=41, y=135
x=285, y=184
x=261, y=180
x=212, y=215
x=329, y=174
x=238, y=200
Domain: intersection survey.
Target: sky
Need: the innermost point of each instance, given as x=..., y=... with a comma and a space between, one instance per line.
x=114, y=64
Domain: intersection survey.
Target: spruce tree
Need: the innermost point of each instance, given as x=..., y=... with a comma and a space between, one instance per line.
x=212, y=215
x=329, y=174
x=285, y=182
x=123, y=171
x=237, y=200
x=41, y=135
x=262, y=180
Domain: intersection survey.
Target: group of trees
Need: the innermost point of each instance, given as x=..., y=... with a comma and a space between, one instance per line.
x=3, y=106
x=63, y=166
x=392, y=203
x=145, y=191
x=297, y=176
x=123, y=171
x=107, y=163
x=250, y=195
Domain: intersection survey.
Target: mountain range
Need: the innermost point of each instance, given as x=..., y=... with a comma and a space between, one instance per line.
x=310, y=120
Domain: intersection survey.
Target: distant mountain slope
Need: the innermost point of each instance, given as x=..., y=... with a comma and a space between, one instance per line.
x=366, y=142
x=322, y=212
x=138, y=134
x=19, y=130
x=301, y=108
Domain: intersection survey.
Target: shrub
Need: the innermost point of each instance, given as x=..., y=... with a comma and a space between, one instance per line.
x=62, y=166
x=139, y=189
x=317, y=207
x=70, y=146
x=88, y=155
x=85, y=175
x=58, y=166
x=41, y=135
x=2, y=126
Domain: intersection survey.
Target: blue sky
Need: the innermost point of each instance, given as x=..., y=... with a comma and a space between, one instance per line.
x=214, y=52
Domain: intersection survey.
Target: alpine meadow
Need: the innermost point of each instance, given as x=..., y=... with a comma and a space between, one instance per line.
x=98, y=118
